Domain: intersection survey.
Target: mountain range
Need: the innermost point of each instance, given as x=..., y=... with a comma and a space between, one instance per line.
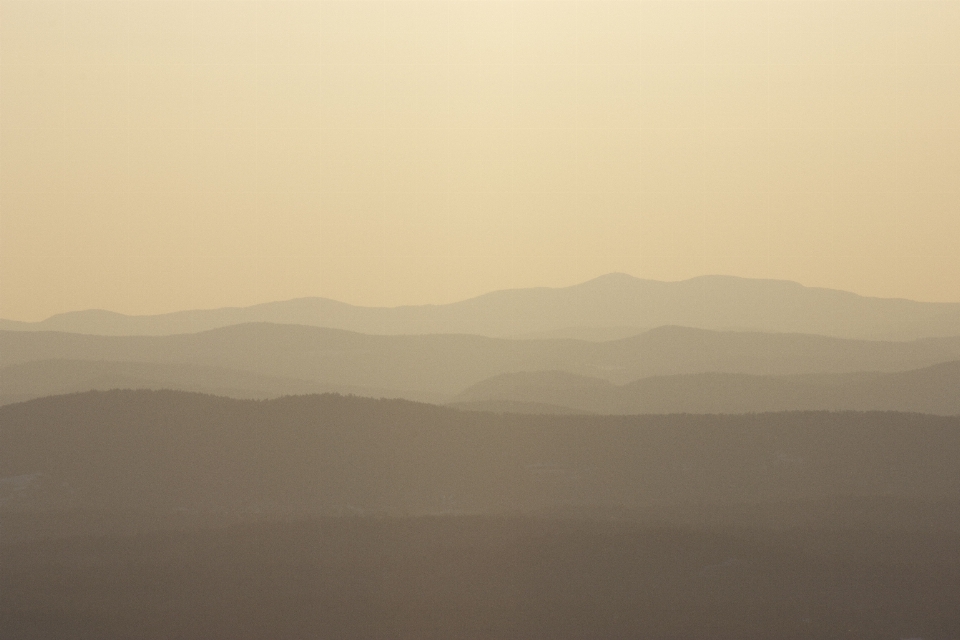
x=426, y=367
x=612, y=306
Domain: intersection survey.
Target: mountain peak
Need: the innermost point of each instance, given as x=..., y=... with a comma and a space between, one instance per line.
x=615, y=276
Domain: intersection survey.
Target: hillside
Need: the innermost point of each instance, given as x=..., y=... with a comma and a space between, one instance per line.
x=165, y=452
x=437, y=367
x=614, y=305
x=479, y=578
x=934, y=389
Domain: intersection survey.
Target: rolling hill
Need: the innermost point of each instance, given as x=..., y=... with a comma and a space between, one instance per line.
x=934, y=389
x=438, y=367
x=166, y=452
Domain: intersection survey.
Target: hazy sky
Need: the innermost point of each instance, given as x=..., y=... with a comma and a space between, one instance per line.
x=162, y=155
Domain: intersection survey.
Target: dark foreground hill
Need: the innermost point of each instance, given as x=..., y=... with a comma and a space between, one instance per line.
x=934, y=389
x=437, y=367
x=603, y=307
x=168, y=452
x=781, y=525
x=477, y=578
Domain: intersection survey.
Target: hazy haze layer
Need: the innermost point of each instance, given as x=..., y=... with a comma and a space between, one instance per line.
x=157, y=156
x=933, y=390
x=421, y=367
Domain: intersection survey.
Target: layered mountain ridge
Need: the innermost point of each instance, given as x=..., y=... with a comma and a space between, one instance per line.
x=437, y=367
x=933, y=390
x=612, y=305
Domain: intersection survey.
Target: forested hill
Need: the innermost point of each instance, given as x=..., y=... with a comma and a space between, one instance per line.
x=168, y=451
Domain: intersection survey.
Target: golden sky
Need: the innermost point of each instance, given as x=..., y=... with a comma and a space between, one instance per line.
x=161, y=155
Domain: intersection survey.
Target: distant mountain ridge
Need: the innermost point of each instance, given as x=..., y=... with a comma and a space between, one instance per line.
x=444, y=365
x=606, y=306
x=934, y=390
x=39, y=378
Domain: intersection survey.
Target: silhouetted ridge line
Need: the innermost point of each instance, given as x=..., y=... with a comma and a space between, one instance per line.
x=605, y=306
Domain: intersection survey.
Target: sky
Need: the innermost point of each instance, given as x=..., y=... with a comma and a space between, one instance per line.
x=162, y=155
